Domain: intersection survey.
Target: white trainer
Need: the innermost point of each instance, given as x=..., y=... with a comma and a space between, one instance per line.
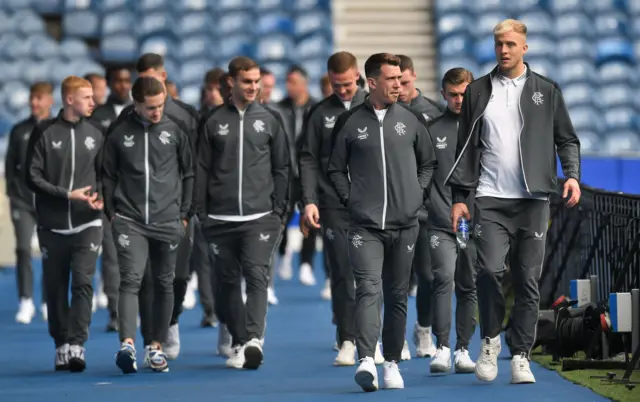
x=325, y=294
x=346, y=355
x=272, y=299
x=423, y=340
x=406, y=353
x=392, y=379
x=253, y=355
x=487, y=365
x=521, y=370
x=225, y=346
x=306, y=275
x=171, y=347
x=462, y=361
x=378, y=358
x=367, y=375
x=236, y=360
x=441, y=362
x=26, y=311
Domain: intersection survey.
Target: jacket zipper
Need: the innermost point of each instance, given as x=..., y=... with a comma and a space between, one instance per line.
x=464, y=148
x=146, y=175
x=524, y=176
x=384, y=175
x=240, y=161
x=73, y=172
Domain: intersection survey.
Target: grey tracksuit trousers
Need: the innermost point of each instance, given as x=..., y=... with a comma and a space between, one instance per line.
x=110, y=269
x=381, y=263
x=498, y=225
x=202, y=264
x=69, y=258
x=24, y=224
x=449, y=265
x=335, y=225
x=137, y=245
x=243, y=249
x=424, y=276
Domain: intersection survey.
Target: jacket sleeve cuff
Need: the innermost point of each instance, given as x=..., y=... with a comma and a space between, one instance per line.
x=459, y=195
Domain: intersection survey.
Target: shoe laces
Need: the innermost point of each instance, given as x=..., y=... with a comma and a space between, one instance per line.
x=523, y=362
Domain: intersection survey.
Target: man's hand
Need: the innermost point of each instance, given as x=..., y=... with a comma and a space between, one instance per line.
x=311, y=216
x=185, y=222
x=571, y=186
x=96, y=204
x=304, y=228
x=457, y=210
x=80, y=194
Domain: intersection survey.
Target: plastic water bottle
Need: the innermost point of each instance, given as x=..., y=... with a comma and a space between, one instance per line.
x=462, y=234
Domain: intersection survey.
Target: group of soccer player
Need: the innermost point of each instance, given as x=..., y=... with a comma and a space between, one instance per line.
x=383, y=176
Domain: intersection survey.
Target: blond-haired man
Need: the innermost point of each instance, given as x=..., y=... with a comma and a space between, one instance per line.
x=513, y=122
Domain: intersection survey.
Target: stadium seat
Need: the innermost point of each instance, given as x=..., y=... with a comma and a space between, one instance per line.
x=537, y=22
x=195, y=47
x=612, y=96
x=14, y=47
x=544, y=66
x=518, y=7
x=47, y=6
x=159, y=23
x=227, y=5
x=19, y=98
x=312, y=22
x=540, y=46
x=71, y=48
x=616, y=49
x=73, y=5
x=43, y=47
x=485, y=23
x=455, y=45
x=484, y=6
x=26, y=22
x=453, y=24
x=190, y=94
x=15, y=5
x=154, y=6
x=108, y=6
x=5, y=23
x=309, y=5
x=616, y=72
x=195, y=23
x=316, y=46
x=573, y=24
x=622, y=142
x=11, y=71
x=590, y=142
x=191, y=73
x=119, y=48
x=579, y=94
x=598, y=7
x=157, y=44
x=577, y=71
x=575, y=47
x=236, y=45
x=446, y=64
x=633, y=7
x=586, y=118
x=315, y=69
x=233, y=23
x=278, y=69
x=82, y=24
x=274, y=23
x=271, y=5
x=610, y=25
x=119, y=22
x=274, y=48
x=565, y=6
x=484, y=50
x=194, y=5
x=620, y=118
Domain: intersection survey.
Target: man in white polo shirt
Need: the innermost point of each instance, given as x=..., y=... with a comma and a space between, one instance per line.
x=512, y=123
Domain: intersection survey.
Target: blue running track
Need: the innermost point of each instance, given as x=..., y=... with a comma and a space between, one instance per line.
x=298, y=365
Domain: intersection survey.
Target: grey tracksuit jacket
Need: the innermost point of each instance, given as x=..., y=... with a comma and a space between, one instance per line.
x=443, y=131
x=425, y=106
x=148, y=170
x=243, y=163
x=315, y=150
x=381, y=171
x=61, y=157
x=547, y=130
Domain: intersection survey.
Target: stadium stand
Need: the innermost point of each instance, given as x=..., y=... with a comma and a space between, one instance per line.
x=194, y=35
x=591, y=48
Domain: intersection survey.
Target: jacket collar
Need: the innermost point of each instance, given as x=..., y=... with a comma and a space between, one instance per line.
x=367, y=103
x=527, y=72
x=66, y=122
x=358, y=98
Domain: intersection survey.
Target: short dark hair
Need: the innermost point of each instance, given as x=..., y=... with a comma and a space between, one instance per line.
x=41, y=88
x=241, y=63
x=296, y=68
x=149, y=61
x=341, y=61
x=93, y=76
x=111, y=72
x=374, y=63
x=212, y=77
x=457, y=76
x=225, y=91
x=265, y=71
x=405, y=63
x=146, y=86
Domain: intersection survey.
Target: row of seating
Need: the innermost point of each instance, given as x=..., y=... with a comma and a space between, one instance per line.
x=556, y=7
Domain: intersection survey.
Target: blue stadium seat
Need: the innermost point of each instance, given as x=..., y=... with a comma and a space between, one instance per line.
x=598, y=7
x=27, y=22
x=543, y=66
x=74, y=5
x=574, y=48
x=15, y=5
x=538, y=22
x=573, y=24
x=577, y=71
x=312, y=22
x=108, y=6
x=484, y=50
x=579, y=94
x=40, y=71
x=485, y=23
x=614, y=49
x=274, y=48
x=47, y=6
x=590, y=142
x=190, y=94
x=622, y=142
x=58, y=72
x=316, y=46
x=19, y=98
x=453, y=24
x=233, y=23
x=541, y=46
x=157, y=44
x=274, y=23
x=15, y=47
x=617, y=73
x=610, y=25
x=620, y=118
x=236, y=45
x=484, y=6
x=154, y=6
x=271, y=5
x=43, y=47
x=83, y=24
x=565, y=6
x=444, y=7
x=119, y=22
x=635, y=27
x=191, y=73
x=72, y=48
x=456, y=45
x=633, y=7
x=586, y=118
x=448, y=63
x=84, y=67
x=195, y=23
x=228, y=5
x=614, y=96
x=119, y=48
x=309, y=5
x=11, y=70
x=5, y=23
x=195, y=47
x=184, y=6
x=518, y=7
x=315, y=69
x=279, y=70
x=160, y=23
